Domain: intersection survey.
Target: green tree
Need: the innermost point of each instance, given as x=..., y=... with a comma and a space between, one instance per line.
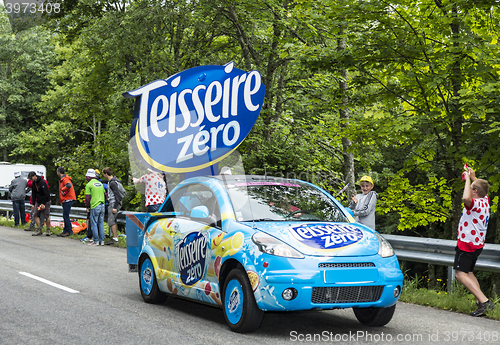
x=25, y=61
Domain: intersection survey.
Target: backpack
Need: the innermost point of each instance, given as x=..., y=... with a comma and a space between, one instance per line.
x=121, y=189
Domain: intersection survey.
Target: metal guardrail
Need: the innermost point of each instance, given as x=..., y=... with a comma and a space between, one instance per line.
x=407, y=248
x=440, y=252
x=56, y=210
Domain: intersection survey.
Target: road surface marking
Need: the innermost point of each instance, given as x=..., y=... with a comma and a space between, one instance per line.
x=67, y=289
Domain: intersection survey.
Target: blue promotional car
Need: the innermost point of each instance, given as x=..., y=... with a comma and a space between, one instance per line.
x=250, y=244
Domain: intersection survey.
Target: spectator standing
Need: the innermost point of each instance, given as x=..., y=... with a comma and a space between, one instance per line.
x=41, y=198
x=17, y=191
x=225, y=171
x=67, y=196
x=363, y=204
x=47, y=215
x=115, y=202
x=32, y=205
x=156, y=190
x=471, y=234
x=95, y=197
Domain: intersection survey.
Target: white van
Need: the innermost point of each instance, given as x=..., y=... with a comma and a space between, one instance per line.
x=7, y=171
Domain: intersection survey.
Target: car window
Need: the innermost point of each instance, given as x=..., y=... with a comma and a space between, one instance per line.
x=187, y=198
x=282, y=201
x=4, y=194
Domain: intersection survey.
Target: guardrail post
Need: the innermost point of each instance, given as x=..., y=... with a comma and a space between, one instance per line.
x=451, y=278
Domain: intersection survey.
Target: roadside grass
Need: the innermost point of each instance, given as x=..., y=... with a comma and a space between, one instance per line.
x=56, y=230
x=460, y=300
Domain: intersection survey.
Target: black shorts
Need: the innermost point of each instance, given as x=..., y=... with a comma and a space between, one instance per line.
x=465, y=261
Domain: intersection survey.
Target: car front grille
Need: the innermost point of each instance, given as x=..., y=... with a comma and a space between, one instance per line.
x=346, y=294
x=346, y=264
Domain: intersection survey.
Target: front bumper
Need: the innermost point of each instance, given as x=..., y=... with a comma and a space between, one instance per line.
x=329, y=282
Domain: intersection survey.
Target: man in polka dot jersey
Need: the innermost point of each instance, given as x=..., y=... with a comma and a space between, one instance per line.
x=156, y=190
x=471, y=234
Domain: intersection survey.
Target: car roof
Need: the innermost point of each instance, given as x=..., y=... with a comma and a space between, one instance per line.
x=250, y=178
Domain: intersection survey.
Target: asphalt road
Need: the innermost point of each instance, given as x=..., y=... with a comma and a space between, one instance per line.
x=56, y=290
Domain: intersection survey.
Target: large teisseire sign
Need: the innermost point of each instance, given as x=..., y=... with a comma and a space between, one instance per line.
x=194, y=118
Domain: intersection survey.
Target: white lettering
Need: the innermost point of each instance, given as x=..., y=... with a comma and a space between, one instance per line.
x=234, y=100
x=143, y=109
x=225, y=134
x=184, y=110
x=209, y=102
x=213, y=133
x=327, y=241
x=183, y=156
x=198, y=142
x=303, y=232
x=171, y=117
x=192, y=253
x=198, y=105
x=154, y=115
x=249, y=92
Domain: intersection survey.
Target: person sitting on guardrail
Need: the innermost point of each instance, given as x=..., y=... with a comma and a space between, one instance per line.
x=471, y=234
x=41, y=198
x=17, y=192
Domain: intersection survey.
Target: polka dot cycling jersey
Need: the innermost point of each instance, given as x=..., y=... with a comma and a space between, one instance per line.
x=155, y=189
x=473, y=225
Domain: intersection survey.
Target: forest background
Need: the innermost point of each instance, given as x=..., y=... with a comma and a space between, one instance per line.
x=405, y=91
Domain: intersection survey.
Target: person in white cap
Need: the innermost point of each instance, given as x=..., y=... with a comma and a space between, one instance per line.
x=17, y=192
x=95, y=198
x=225, y=171
x=39, y=173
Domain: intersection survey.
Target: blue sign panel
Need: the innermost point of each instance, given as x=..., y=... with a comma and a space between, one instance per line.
x=191, y=257
x=195, y=118
x=327, y=236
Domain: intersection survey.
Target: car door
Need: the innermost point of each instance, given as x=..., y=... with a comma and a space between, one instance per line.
x=194, y=275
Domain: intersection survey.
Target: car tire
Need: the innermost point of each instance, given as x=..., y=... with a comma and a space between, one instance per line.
x=147, y=283
x=374, y=317
x=240, y=309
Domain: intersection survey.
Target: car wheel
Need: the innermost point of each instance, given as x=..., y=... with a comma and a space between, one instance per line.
x=147, y=282
x=375, y=317
x=240, y=309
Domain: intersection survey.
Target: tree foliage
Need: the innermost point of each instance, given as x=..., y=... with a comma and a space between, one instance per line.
x=406, y=91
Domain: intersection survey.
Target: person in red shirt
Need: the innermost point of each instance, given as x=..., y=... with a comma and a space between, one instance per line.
x=471, y=234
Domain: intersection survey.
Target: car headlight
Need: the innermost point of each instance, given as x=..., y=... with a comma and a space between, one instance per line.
x=384, y=247
x=271, y=245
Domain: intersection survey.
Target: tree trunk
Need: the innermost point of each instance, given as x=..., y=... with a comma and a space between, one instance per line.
x=345, y=115
x=495, y=279
x=431, y=275
x=456, y=81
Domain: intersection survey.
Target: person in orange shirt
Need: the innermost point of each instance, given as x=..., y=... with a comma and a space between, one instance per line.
x=67, y=196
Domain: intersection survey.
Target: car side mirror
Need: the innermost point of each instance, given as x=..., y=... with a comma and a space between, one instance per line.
x=349, y=211
x=199, y=212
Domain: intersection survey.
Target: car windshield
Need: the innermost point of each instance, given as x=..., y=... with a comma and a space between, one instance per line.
x=282, y=201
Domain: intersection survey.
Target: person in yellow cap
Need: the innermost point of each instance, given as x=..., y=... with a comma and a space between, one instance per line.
x=363, y=205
